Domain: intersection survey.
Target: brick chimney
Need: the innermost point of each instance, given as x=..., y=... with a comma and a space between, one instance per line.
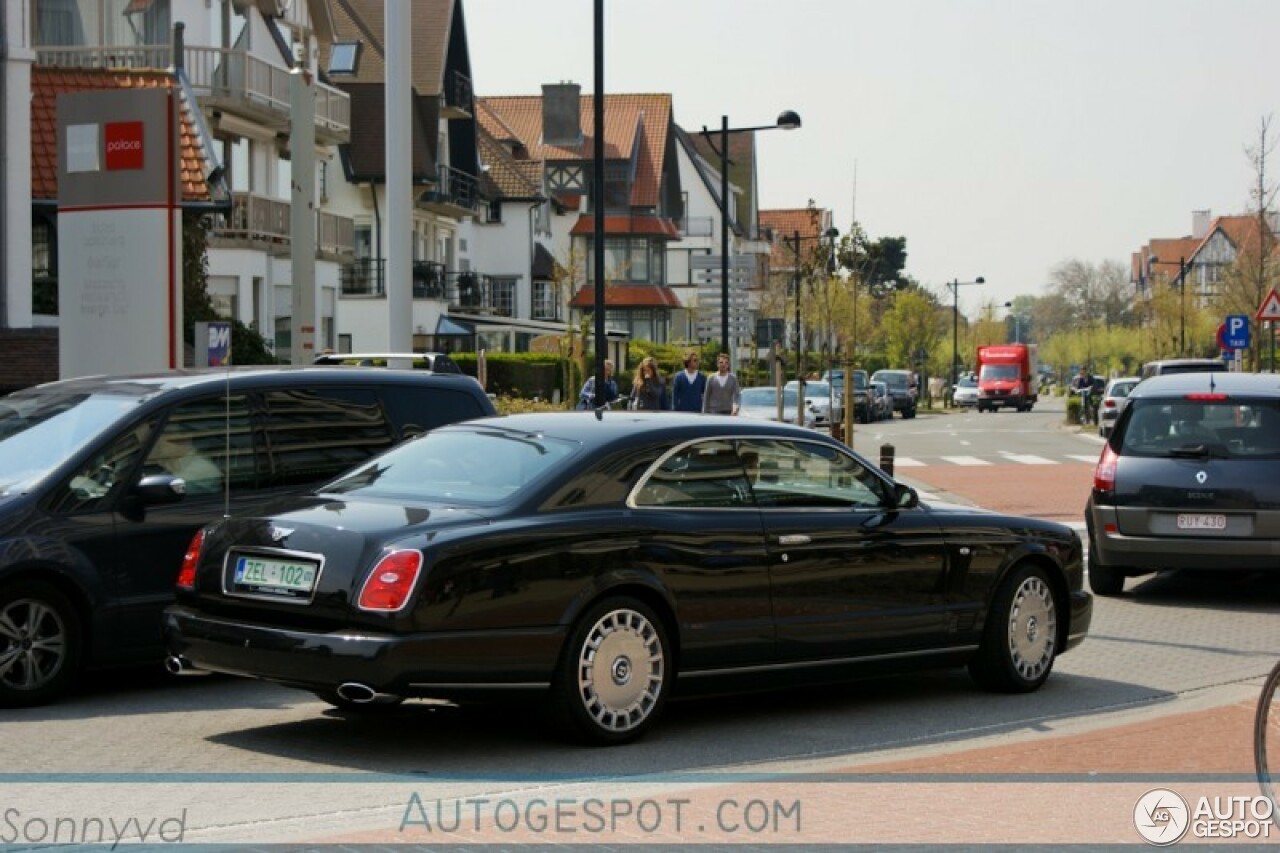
x=561, y=114
x=1200, y=222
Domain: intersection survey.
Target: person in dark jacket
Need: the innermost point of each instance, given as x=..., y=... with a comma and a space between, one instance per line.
x=688, y=385
x=587, y=396
x=648, y=390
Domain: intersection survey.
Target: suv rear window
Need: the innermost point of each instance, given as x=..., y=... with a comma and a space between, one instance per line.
x=1221, y=428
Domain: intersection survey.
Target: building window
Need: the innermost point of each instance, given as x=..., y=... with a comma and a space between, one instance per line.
x=503, y=292
x=630, y=259
x=545, y=304
x=648, y=324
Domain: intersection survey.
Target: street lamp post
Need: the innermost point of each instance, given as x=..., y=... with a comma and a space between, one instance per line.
x=787, y=120
x=1017, y=338
x=1182, y=301
x=955, y=324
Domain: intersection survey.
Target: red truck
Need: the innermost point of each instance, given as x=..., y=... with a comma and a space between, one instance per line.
x=1007, y=376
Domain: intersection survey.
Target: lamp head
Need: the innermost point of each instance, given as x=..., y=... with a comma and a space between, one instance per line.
x=831, y=232
x=980, y=280
x=788, y=120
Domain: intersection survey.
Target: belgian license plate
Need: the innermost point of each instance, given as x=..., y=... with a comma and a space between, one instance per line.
x=287, y=578
x=1201, y=521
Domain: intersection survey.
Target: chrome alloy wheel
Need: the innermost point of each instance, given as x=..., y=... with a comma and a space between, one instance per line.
x=33, y=644
x=621, y=670
x=1033, y=628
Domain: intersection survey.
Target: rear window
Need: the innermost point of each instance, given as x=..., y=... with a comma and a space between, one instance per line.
x=893, y=380
x=1182, y=428
x=1121, y=389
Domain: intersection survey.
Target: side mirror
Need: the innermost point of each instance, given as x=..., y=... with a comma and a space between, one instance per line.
x=159, y=489
x=906, y=497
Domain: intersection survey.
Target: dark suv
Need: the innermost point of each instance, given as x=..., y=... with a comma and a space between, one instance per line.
x=1190, y=478
x=863, y=408
x=103, y=482
x=902, y=387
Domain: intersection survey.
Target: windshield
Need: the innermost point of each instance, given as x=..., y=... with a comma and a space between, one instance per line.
x=893, y=380
x=39, y=430
x=999, y=372
x=967, y=382
x=1223, y=428
x=478, y=466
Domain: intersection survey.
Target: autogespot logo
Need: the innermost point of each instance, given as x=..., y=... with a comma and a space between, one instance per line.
x=1161, y=817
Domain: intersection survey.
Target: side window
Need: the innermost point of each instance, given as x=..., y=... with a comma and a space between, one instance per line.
x=417, y=410
x=314, y=434
x=708, y=475
x=105, y=472
x=809, y=475
x=205, y=441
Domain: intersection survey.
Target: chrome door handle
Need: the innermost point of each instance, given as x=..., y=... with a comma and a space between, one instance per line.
x=794, y=539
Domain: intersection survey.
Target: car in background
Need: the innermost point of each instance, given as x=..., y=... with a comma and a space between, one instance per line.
x=1182, y=365
x=964, y=394
x=862, y=406
x=881, y=402
x=902, y=386
x=104, y=480
x=1114, y=397
x=595, y=564
x=761, y=401
x=1189, y=478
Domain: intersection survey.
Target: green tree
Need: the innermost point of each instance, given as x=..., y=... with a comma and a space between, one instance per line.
x=911, y=325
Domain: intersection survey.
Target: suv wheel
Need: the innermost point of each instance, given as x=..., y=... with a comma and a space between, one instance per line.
x=1104, y=580
x=39, y=644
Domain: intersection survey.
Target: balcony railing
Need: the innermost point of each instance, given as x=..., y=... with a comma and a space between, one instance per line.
x=467, y=292
x=458, y=98
x=234, y=80
x=262, y=220
x=455, y=193
x=697, y=226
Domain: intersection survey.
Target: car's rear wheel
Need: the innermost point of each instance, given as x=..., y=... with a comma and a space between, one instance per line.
x=1104, y=580
x=614, y=675
x=1020, y=640
x=40, y=644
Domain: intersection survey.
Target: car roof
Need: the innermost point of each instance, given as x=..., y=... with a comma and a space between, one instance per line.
x=342, y=357
x=1117, y=379
x=607, y=427
x=245, y=378
x=1220, y=382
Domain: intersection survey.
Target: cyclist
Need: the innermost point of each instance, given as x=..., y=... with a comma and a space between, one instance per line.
x=1083, y=384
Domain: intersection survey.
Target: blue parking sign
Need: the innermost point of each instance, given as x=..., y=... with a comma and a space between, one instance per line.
x=1237, y=331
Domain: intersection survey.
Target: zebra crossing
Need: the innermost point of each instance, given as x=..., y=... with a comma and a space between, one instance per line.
x=1004, y=457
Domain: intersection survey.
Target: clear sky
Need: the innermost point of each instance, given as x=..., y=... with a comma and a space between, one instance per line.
x=1000, y=137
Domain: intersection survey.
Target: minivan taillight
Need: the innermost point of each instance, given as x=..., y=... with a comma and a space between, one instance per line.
x=190, y=560
x=389, y=585
x=1104, y=476
x=1205, y=398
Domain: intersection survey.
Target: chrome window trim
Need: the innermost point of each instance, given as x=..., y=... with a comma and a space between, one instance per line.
x=630, y=501
x=229, y=591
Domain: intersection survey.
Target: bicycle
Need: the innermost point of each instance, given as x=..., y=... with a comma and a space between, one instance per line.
x=1088, y=405
x=1266, y=740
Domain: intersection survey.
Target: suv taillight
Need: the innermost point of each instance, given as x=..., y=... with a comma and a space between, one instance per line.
x=190, y=560
x=1104, y=476
x=389, y=585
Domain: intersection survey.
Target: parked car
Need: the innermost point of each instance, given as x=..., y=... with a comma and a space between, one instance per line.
x=1189, y=478
x=761, y=401
x=862, y=409
x=902, y=386
x=964, y=393
x=1183, y=365
x=1114, y=397
x=599, y=563
x=103, y=481
x=881, y=402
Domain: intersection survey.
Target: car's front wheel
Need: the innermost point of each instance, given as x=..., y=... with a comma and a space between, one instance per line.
x=1020, y=640
x=40, y=638
x=614, y=675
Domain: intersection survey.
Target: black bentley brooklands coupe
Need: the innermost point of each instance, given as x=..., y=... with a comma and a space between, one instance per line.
x=599, y=562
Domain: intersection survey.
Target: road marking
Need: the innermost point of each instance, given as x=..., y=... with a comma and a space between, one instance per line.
x=966, y=460
x=908, y=462
x=1027, y=459
x=1090, y=459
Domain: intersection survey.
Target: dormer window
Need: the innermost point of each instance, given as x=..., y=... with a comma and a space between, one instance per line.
x=344, y=58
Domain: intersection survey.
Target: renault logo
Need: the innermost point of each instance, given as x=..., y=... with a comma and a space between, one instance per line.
x=1201, y=477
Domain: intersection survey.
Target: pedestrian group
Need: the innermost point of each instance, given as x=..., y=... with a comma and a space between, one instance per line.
x=690, y=390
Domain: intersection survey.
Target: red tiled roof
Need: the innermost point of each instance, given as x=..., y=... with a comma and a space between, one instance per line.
x=635, y=125
x=642, y=225
x=784, y=224
x=1169, y=252
x=47, y=83
x=628, y=296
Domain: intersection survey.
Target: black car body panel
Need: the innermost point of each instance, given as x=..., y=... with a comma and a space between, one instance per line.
x=83, y=525
x=651, y=507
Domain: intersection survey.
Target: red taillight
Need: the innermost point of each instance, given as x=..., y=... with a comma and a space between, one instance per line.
x=1108, y=404
x=1104, y=476
x=1206, y=398
x=390, y=583
x=191, y=559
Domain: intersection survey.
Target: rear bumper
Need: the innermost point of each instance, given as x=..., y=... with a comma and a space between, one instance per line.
x=456, y=665
x=1152, y=553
